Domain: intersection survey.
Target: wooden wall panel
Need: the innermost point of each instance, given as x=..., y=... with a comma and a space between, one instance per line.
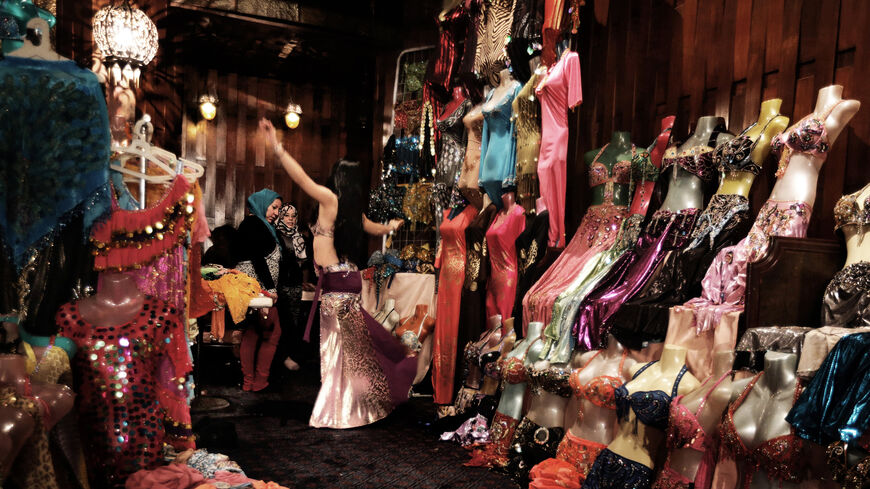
x=724, y=57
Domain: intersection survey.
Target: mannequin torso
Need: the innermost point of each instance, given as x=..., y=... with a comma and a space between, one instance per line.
x=504, y=344
x=858, y=237
x=413, y=330
x=644, y=189
x=388, y=316
x=639, y=442
x=57, y=398
x=529, y=349
x=798, y=182
x=618, y=151
x=685, y=190
x=117, y=301
x=546, y=408
x=453, y=104
x=770, y=123
x=507, y=85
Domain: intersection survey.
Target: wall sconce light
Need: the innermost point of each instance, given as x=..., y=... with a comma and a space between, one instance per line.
x=208, y=106
x=127, y=39
x=292, y=115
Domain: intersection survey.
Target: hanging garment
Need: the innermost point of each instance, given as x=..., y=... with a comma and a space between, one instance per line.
x=452, y=27
x=498, y=148
x=527, y=120
x=453, y=142
x=501, y=246
x=492, y=34
x=525, y=38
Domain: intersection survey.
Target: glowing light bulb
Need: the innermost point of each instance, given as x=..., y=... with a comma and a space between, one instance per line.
x=292, y=120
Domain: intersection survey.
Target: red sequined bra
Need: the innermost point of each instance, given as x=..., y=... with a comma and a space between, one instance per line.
x=780, y=457
x=128, y=240
x=601, y=390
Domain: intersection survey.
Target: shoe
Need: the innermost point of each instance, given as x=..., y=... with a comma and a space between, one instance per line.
x=290, y=364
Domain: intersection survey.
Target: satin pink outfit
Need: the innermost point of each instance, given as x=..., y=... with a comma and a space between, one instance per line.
x=597, y=232
x=501, y=240
x=558, y=91
x=451, y=263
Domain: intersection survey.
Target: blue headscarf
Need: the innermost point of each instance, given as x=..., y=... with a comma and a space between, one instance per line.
x=259, y=202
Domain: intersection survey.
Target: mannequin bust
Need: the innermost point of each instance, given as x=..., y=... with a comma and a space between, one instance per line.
x=58, y=398
x=636, y=441
x=470, y=173
x=488, y=341
x=511, y=401
x=414, y=329
x=593, y=422
x=117, y=301
x=503, y=345
x=769, y=123
x=15, y=428
x=761, y=416
x=686, y=460
x=508, y=201
x=643, y=193
x=388, y=316
x=540, y=205
x=618, y=149
x=453, y=104
x=546, y=408
x=507, y=85
x=857, y=237
x=685, y=190
x=800, y=178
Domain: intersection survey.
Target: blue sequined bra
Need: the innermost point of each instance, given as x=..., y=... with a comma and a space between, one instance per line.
x=651, y=408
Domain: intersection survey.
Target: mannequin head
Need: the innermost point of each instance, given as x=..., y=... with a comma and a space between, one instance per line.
x=508, y=199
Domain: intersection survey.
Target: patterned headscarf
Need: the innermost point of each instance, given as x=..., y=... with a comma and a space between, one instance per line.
x=291, y=232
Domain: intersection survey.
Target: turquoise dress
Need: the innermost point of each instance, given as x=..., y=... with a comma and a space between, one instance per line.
x=498, y=149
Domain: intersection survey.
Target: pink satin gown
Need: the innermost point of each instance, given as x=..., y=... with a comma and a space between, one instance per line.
x=501, y=246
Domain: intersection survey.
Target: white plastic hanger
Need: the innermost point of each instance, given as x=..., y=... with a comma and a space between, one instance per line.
x=140, y=147
x=39, y=51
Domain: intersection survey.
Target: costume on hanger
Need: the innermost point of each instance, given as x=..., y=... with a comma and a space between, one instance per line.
x=498, y=172
x=528, y=141
x=492, y=31
x=470, y=174
x=451, y=262
x=558, y=91
x=575, y=456
x=472, y=303
x=137, y=364
x=364, y=371
x=780, y=457
x=501, y=247
x=453, y=143
x=451, y=29
x=597, y=232
x=685, y=431
x=525, y=37
x=532, y=261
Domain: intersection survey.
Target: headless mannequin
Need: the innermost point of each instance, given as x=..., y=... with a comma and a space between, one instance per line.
x=857, y=239
x=800, y=178
x=685, y=190
x=643, y=193
x=619, y=149
x=388, y=316
x=511, y=401
x=770, y=123
x=686, y=460
x=545, y=408
x=468, y=177
x=15, y=425
x=58, y=398
x=596, y=423
x=450, y=108
x=762, y=414
x=506, y=87
x=503, y=345
x=508, y=200
x=116, y=302
x=420, y=324
x=642, y=444
x=487, y=341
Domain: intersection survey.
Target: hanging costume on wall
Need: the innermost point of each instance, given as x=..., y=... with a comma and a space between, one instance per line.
x=525, y=38
x=492, y=32
x=528, y=141
x=451, y=262
x=558, y=91
x=498, y=172
x=501, y=246
x=54, y=138
x=453, y=143
x=452, y=27
x=531, y=247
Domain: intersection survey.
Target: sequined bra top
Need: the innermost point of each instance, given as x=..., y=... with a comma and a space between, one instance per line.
x=698, y=161
x=736, y=154
x=513, y=369
x=601, y=390
x=780, y=457
x=848, y=212
x=620, y=173
x=551, y=379
x=650, y=407
x=808, y=135
x=685, y=431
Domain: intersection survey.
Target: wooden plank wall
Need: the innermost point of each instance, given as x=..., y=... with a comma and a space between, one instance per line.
x=237, y=159
x=691, y=58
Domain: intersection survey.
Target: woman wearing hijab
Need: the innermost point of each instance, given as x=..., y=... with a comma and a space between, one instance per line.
x=258, y=251
x=293, y=267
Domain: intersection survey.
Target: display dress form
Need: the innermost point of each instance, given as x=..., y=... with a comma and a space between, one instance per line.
x=501, y=246
x=642, y=406
x=111, y=329
x=724, y=221
x=526, y=114
x=453, y=140
x=847, y=296
x=510, y=406
x=691, y=437
x=609, y=179
x=667, y=231
x=645, y=172
x=498, y=144
x=594, y=382
x=472, y=307
x=493, y=30
x=451, y=263
x=755, y=433
x=469, y=175
x=558, y=91
x=802, y=150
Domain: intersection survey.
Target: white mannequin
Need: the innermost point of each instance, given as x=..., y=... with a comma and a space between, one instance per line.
x=388, y=316
x=507, y=85
x=857, y=239
x=762, y=414
x=642, y=444
x=800, y=178
x=685, y=190
x=511, y=401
